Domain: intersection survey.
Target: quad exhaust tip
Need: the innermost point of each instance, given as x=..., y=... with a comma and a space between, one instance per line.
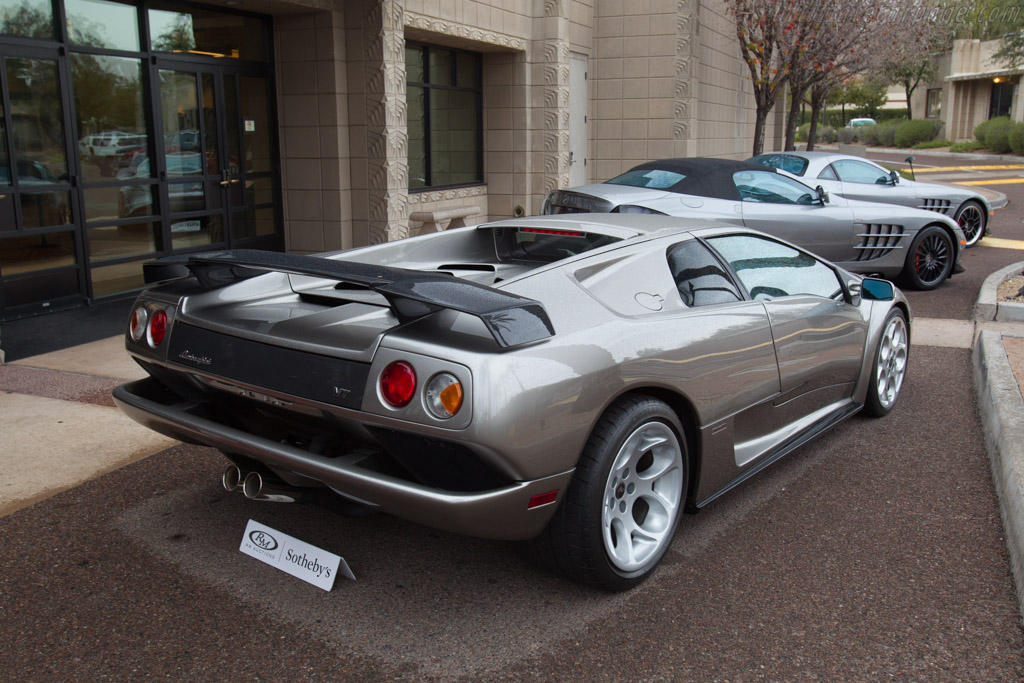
x=231, y=478
x=260, y=487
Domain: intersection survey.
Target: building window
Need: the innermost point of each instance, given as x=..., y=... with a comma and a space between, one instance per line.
x=933, y=105
x=444, y=98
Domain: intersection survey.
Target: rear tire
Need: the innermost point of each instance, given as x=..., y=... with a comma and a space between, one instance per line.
x=973, y=221
x=930, y=259
x=617, y=518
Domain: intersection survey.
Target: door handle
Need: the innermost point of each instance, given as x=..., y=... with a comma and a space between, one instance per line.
x=233, y=181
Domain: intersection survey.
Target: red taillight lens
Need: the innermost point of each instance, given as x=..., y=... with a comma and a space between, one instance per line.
x=157, y=327
x=398, y=383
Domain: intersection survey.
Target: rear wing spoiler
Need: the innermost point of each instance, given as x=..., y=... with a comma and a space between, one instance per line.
x=511, y=319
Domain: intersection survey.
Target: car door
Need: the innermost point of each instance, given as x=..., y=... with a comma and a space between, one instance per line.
x=819, y=336
x=786, y=208
x=871, y=183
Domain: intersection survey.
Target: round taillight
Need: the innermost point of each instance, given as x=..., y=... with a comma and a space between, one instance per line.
x=398, y=383
x=137, y=327
x=157, y=327
x=444, y=395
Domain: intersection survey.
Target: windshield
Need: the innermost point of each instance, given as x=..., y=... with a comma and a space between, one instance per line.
x=785, y=162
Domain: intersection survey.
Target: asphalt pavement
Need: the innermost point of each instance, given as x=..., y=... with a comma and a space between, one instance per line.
x=877, y=551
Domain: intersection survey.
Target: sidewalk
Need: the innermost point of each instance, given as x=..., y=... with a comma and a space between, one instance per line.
x=999, y=380
x=59, y=424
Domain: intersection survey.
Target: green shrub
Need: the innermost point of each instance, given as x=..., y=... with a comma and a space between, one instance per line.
x=801, y=132
x=1016, y=138
x=826, y=135
x=968, y=146
x=996, y=136
x=887, y=134
x=932, y=144
x=847, y=135
x=909, y=133
x=979, y=131
x=869, y=135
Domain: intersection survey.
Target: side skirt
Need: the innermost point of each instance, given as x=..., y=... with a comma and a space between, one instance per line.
x=783, y=449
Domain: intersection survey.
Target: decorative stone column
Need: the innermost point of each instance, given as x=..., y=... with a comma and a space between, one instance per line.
x=387, y=143
x=551, y=82
x=685, y=91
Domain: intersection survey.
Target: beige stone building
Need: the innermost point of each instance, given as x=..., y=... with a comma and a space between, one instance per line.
x=313, y=125
x=972, y=86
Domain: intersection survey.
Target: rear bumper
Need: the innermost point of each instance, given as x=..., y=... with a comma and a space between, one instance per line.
x=498, y=513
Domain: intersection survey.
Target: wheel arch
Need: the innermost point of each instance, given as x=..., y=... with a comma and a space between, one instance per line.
x=686, y=412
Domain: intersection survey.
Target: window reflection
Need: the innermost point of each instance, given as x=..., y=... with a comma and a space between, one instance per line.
x=45, y=209
x=179, y=104
x=252, y=223
x=26, y=254
x=255, y=125
x=196, y=232
x=118, y=241
x=121, y=277
x=5, y=165
x=102, y=23
x=205, y=32
x=29, y=18
x=38, y=128
x=111, y=125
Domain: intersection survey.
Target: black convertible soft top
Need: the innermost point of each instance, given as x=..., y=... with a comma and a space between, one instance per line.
x=705, y=177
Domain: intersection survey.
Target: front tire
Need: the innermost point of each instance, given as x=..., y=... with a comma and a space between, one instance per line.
x=930, y=260
x=620, y=512
x=890, y=366
x=972, y=220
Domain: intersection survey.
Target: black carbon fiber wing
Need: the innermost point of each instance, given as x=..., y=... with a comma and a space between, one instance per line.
x=511, y=319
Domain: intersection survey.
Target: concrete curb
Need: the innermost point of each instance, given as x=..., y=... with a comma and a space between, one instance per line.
x=1002, y=415
x=987, y=307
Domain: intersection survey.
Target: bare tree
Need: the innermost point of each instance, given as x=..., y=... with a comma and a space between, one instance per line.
x=920, y=34
x=844, y=37
x=765, y=30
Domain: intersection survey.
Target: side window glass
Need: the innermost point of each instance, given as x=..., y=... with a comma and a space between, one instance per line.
x=770, y=269
x=828, y=173
x=772, y=188
x=850, y=171
x=700, y=278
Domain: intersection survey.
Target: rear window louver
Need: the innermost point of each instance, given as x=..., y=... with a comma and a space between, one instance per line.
x=878, y=240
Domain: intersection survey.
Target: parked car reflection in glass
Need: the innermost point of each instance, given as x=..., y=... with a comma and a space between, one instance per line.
x=137, y=200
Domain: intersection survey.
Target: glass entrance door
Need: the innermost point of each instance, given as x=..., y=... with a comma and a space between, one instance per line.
x=217, y=178
x=39, y=248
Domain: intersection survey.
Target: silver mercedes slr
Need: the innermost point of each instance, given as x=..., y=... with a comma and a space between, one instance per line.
x=923, y=248
x=858, y=178
x=574, y=382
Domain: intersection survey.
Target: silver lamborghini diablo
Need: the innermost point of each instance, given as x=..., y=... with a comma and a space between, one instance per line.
x=578, y=382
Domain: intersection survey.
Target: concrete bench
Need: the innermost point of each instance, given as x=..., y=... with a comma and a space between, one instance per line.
x=432, y=220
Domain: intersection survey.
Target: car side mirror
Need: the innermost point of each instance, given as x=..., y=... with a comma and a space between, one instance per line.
x=894, y=176
x=873, y=289
x=822, y=195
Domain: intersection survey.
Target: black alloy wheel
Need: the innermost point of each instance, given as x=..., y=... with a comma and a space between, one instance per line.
x=930, y=260
x=971, y=219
